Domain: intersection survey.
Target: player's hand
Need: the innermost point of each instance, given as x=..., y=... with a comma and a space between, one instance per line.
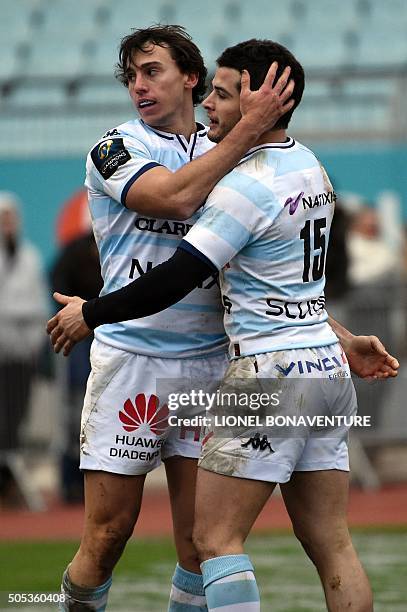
x=67, y=327
x=266, y=105
x=369, y=359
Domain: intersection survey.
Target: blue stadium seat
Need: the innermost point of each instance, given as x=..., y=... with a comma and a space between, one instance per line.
x=391, y=13
x=125, y=15
x=214, y=15
x=75, y=19
x=11, y=60
x=15, y=21
x=382, y=47
x=50, y=57
x=368, y=117
x=326, y=15
x=103, y=60
x=325, y=50
x=36, y=95
x=263, y=19
x=329, y=115
x=106, y=94
x=370, y=87
x=317, y=89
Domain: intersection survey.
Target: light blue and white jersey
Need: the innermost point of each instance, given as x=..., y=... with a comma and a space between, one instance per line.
x=266, y=226
x=130, y=244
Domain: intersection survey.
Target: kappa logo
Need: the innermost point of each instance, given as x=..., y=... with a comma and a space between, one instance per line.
x=258, y=443
x=141, y=412
x=109, y=133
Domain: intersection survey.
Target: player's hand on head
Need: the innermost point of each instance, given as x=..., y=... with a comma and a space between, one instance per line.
x=266, y=105
x=368, y=358
x=67, y=327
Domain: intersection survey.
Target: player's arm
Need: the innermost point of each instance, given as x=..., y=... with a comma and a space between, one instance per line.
x=161, y=287
x=177, y=195
x=367, y=356
x=201, y=253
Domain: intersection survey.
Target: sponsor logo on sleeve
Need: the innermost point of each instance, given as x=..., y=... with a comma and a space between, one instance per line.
x=108, y=155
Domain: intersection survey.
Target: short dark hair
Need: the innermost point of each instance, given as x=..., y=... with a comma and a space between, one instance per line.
x=183, y=51
x=256, y=56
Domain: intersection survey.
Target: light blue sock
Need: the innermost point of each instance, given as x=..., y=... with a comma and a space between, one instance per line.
x=230, y=584
x=93, y=599
x=187, y=592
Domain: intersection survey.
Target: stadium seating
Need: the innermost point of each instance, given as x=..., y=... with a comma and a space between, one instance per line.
x=53, y=95
x=111, y=93
x=61, y=53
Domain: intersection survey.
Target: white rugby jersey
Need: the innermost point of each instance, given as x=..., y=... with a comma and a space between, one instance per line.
x=130, y=244
x=266, y=227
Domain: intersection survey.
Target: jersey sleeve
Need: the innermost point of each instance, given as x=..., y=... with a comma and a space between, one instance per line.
x=115, y=163
x=229, y=221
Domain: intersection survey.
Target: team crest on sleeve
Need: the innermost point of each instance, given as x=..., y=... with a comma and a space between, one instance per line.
x=108, y=155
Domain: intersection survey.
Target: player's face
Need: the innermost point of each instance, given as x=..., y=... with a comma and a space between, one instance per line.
x=157, y=87
x=223, y=103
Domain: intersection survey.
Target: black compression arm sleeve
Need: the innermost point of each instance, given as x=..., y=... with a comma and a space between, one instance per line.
x=162, y=286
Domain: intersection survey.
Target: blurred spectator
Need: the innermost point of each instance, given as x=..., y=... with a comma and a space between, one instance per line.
x=373, y=304
x=372, y=259
x=76, y=272
x=23, y=313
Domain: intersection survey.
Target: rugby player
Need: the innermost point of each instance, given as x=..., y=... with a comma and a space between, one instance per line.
x=143, y=197
x=265, y=228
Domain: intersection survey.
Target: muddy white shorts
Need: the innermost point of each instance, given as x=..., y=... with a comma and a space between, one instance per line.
x=124, y=428
x=292, y=411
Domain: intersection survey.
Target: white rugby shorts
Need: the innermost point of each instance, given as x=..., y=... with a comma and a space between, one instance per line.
x=308, y=382
x=124, y=427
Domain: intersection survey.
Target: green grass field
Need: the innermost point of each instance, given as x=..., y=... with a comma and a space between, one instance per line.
x=287, y=580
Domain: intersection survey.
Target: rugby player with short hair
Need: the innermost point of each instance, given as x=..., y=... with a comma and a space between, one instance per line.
x=265, y=229
x=145, y=185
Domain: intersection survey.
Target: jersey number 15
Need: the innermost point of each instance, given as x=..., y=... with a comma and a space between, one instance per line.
x=319, y=243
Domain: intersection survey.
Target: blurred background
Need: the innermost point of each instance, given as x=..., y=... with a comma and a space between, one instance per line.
x=58, y=96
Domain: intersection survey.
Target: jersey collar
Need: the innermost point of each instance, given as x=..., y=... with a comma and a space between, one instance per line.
x=187, y=146
x=287, y=144
x=201, y=130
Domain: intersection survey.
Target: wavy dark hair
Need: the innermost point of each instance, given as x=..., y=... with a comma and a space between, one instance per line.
x=256, y=56
x=183, y=51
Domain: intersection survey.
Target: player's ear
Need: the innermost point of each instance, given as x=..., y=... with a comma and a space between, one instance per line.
x=191, y=79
